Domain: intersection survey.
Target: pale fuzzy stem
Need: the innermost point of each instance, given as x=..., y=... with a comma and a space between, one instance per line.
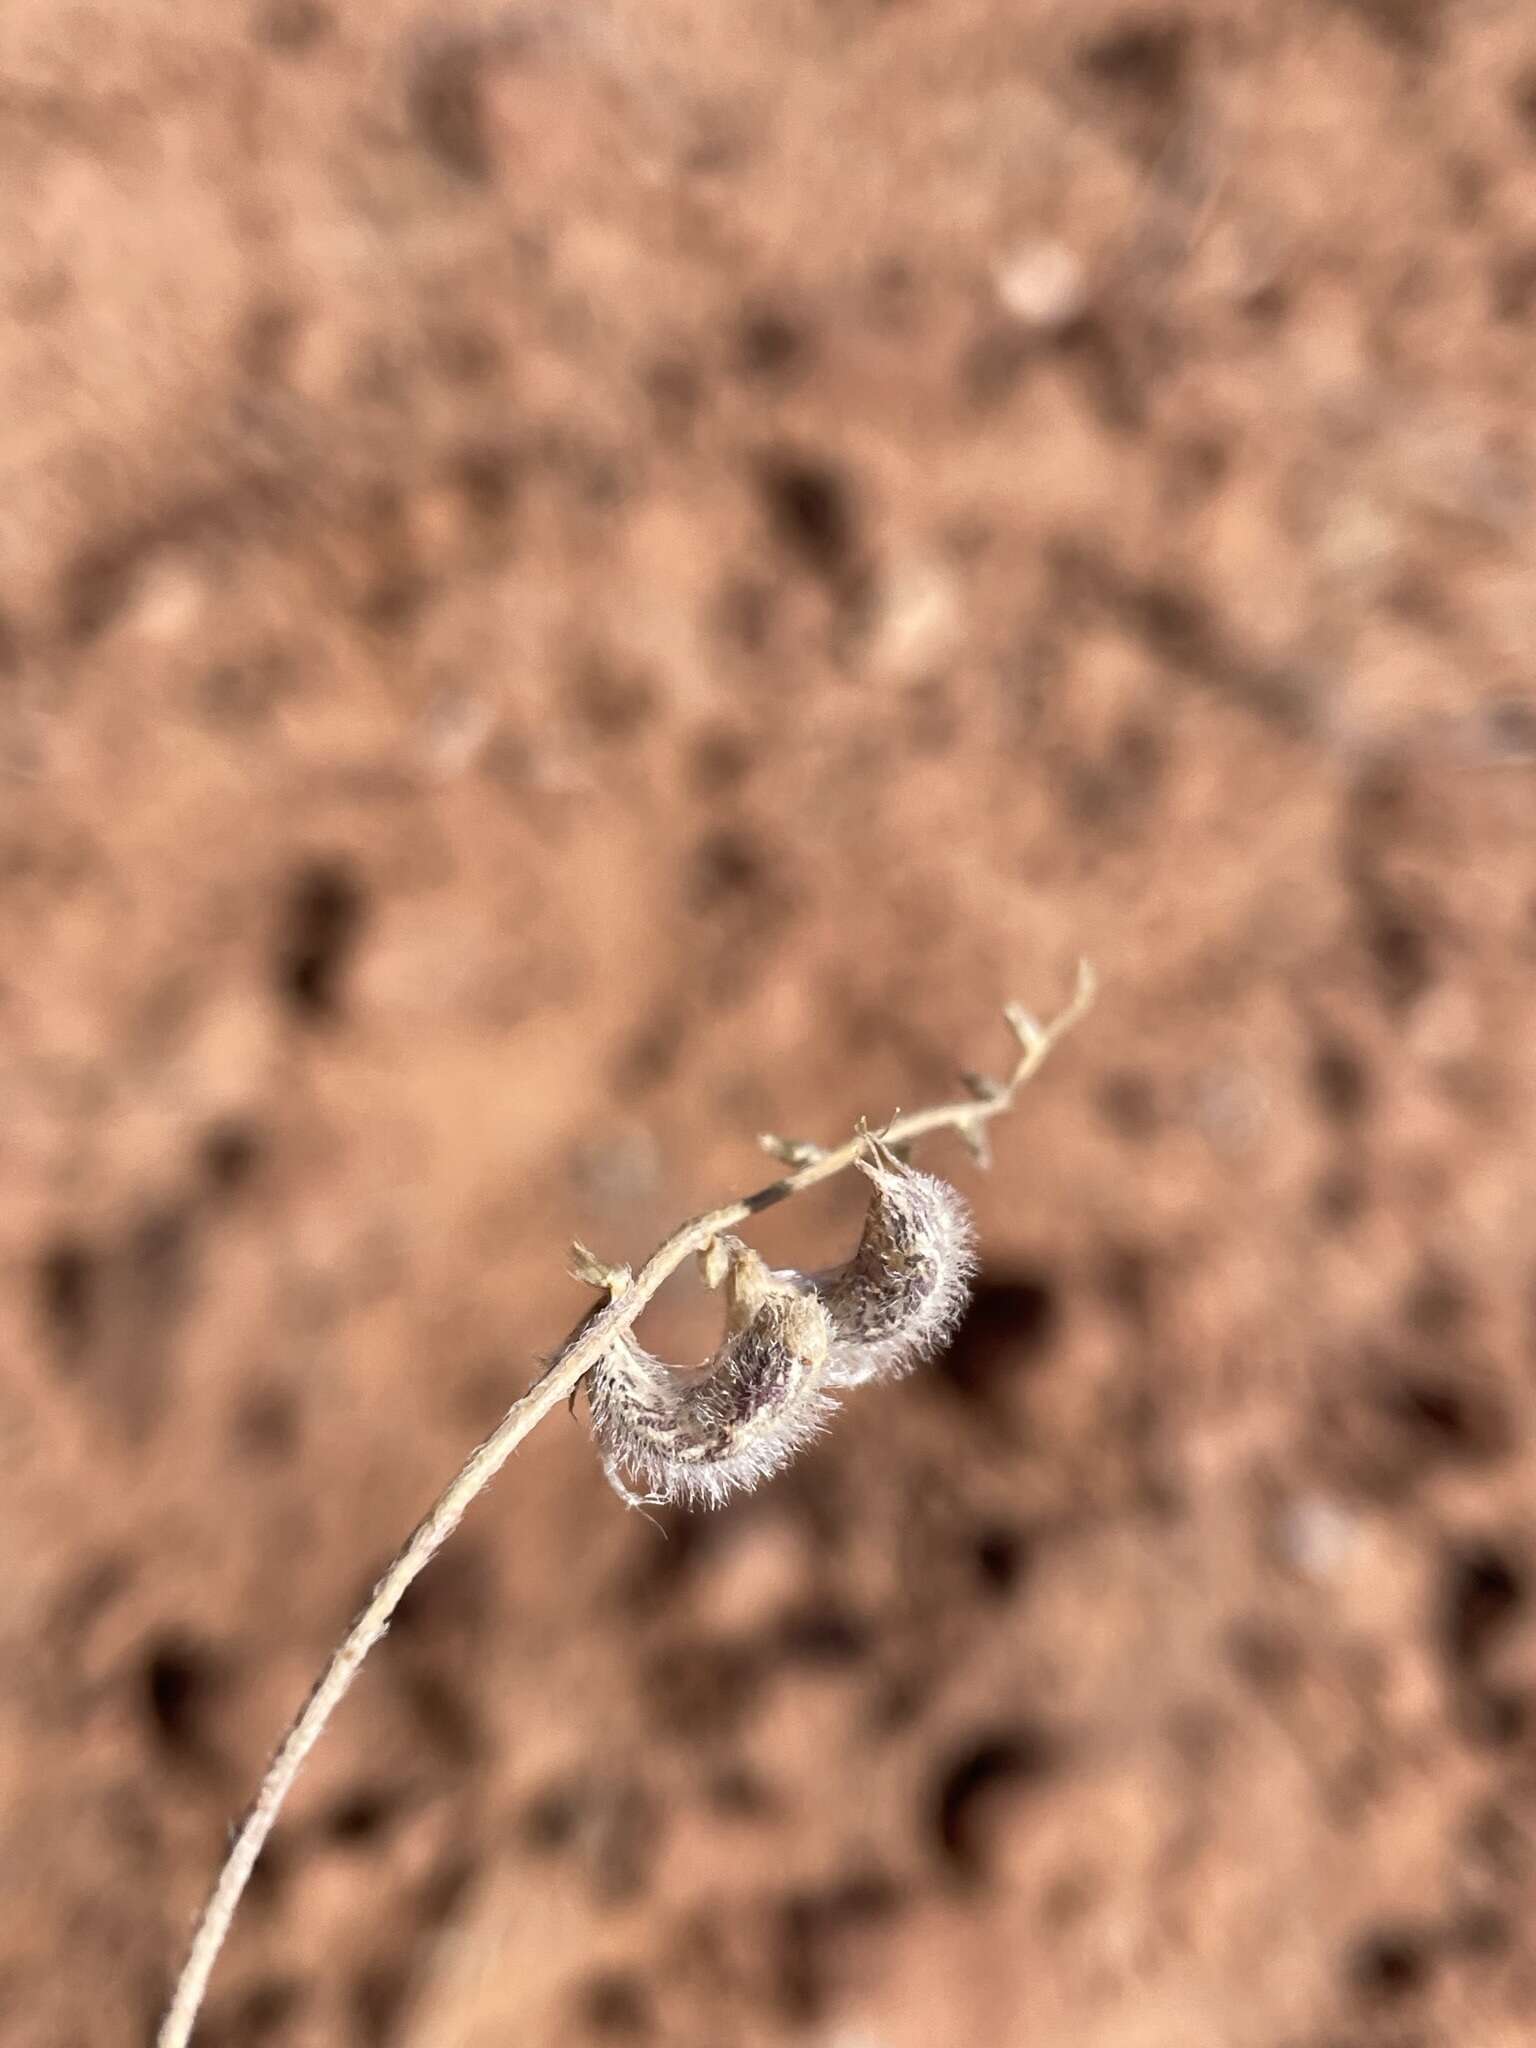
x=592, y=1338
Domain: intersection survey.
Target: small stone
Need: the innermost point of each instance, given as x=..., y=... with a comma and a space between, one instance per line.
x=1044, y=285
x=917, y=623
x=1317, y=1536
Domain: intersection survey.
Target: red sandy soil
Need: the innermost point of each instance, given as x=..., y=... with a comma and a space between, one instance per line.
x=579, y=583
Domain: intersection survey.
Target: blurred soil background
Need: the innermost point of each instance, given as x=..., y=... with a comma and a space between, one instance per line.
x=578, y=582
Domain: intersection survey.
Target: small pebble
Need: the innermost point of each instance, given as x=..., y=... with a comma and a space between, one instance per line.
x=1316, y=1536
x=1045, y=285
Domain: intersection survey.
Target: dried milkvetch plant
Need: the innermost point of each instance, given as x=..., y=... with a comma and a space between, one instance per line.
x=790, y=1340
x=793, y=1342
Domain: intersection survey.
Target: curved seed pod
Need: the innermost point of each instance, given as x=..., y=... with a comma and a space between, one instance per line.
x=695, y=1435
x=906, y=1287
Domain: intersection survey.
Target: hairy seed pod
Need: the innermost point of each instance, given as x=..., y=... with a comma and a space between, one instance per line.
x=696, y=1435
x=906, y=1287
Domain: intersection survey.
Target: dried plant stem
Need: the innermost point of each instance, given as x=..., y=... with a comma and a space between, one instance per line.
x=628, y=1295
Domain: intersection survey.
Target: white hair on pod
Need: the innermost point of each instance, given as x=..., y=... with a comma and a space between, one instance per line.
x=695, y=1435
x=906, y=1287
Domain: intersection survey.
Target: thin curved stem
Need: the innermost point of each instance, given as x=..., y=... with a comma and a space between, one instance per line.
x=627, y=1297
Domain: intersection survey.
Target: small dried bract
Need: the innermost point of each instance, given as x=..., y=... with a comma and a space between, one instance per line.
x=693, y=1435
